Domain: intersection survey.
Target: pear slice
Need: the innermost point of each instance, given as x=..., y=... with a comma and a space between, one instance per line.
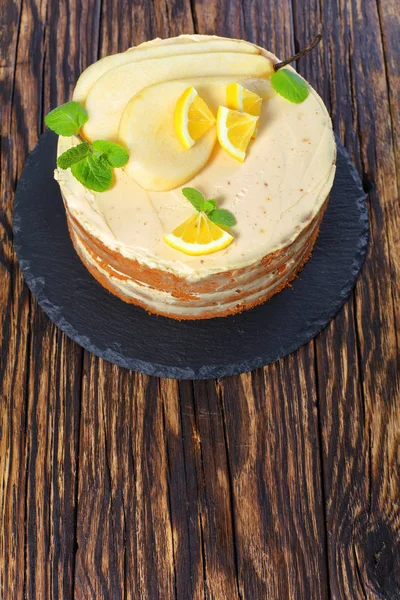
x=157, y=49
x=108, y=97
x=157, y=159
x=195, y=38
x=217, y=43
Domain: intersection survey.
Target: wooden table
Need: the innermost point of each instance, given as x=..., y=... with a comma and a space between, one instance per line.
x=282, y=483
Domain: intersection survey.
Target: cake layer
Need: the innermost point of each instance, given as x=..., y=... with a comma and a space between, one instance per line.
x=221, y=294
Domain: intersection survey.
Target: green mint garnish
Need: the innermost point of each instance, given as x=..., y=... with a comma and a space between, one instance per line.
x=94, y=172
x=73, y=155
x=219, y=216
x=91, y=164
x=67, y=119
x=290, y=85
x=209, y=205
x=223, y=217
x=115, y=154
x=195, y=198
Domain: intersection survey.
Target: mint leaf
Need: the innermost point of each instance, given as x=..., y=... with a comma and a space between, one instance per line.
x=219, y=216
x=290, y=85
x=93, y=172
x=116, y=154
x=223, y=217
x=73, y=155
x=209, y=205
x=195, y=198
x=67, y=119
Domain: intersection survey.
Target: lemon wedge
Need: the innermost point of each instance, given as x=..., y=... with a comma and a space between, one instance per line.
x=198, y=235
x=238, y=98
x=234, y=131
x=192, y=117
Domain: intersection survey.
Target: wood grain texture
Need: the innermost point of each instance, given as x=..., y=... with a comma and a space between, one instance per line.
x=280, y=484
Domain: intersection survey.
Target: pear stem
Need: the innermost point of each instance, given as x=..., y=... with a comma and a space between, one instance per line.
x=300, y=54
x=80, y=137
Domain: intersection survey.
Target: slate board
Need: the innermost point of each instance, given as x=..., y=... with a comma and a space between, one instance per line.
x=126, y=335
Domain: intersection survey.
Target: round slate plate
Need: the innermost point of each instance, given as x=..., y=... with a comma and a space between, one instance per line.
x=127, y=335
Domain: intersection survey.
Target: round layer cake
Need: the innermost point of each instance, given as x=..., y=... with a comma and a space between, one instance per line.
x=278, y=195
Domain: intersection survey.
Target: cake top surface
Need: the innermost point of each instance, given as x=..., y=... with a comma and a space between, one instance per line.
x=274, y=194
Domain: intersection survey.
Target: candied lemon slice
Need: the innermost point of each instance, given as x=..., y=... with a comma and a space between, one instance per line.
x=198, y=235
x=192, y=117
x=234, y=131
x=238, y=98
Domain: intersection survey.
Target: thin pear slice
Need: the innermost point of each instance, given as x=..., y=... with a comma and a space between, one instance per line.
x=157, y=159
x=158, y=49
x=147, y=130
x=111, y=93
x=190, y=38
x=218, y=44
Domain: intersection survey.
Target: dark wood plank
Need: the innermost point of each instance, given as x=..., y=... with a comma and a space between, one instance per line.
x=205, y=441
x=358, y=357
x=52, y=426
x=275, y=480
x=14, y=314
x=55, y=376
x=125, y=537
x=14, y=319
x=40, y=382
x=389, y=23
x=48, y=560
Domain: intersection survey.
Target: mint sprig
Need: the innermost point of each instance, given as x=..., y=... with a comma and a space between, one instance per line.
x=290, y=85
x=195, y=197
x=115, y=154
x=94, y=172
x=223, y=217
x=67, y=119
x=209, y=206
x=219, y=216
x=73, y=155
x=91, y=164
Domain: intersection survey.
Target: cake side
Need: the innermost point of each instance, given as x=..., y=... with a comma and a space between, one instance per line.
x=219, y=295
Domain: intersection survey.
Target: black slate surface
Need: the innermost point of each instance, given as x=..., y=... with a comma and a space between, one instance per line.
x=128, y=336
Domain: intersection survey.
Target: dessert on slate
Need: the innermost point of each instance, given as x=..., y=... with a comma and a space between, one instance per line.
x=194, y=174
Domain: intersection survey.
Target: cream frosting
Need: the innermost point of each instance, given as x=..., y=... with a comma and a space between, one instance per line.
x=274, y=194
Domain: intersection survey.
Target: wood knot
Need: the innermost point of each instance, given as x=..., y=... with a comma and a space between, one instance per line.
x=378, y=556
x=367, y=183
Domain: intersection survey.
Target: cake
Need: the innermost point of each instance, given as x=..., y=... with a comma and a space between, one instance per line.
x=277, y=195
